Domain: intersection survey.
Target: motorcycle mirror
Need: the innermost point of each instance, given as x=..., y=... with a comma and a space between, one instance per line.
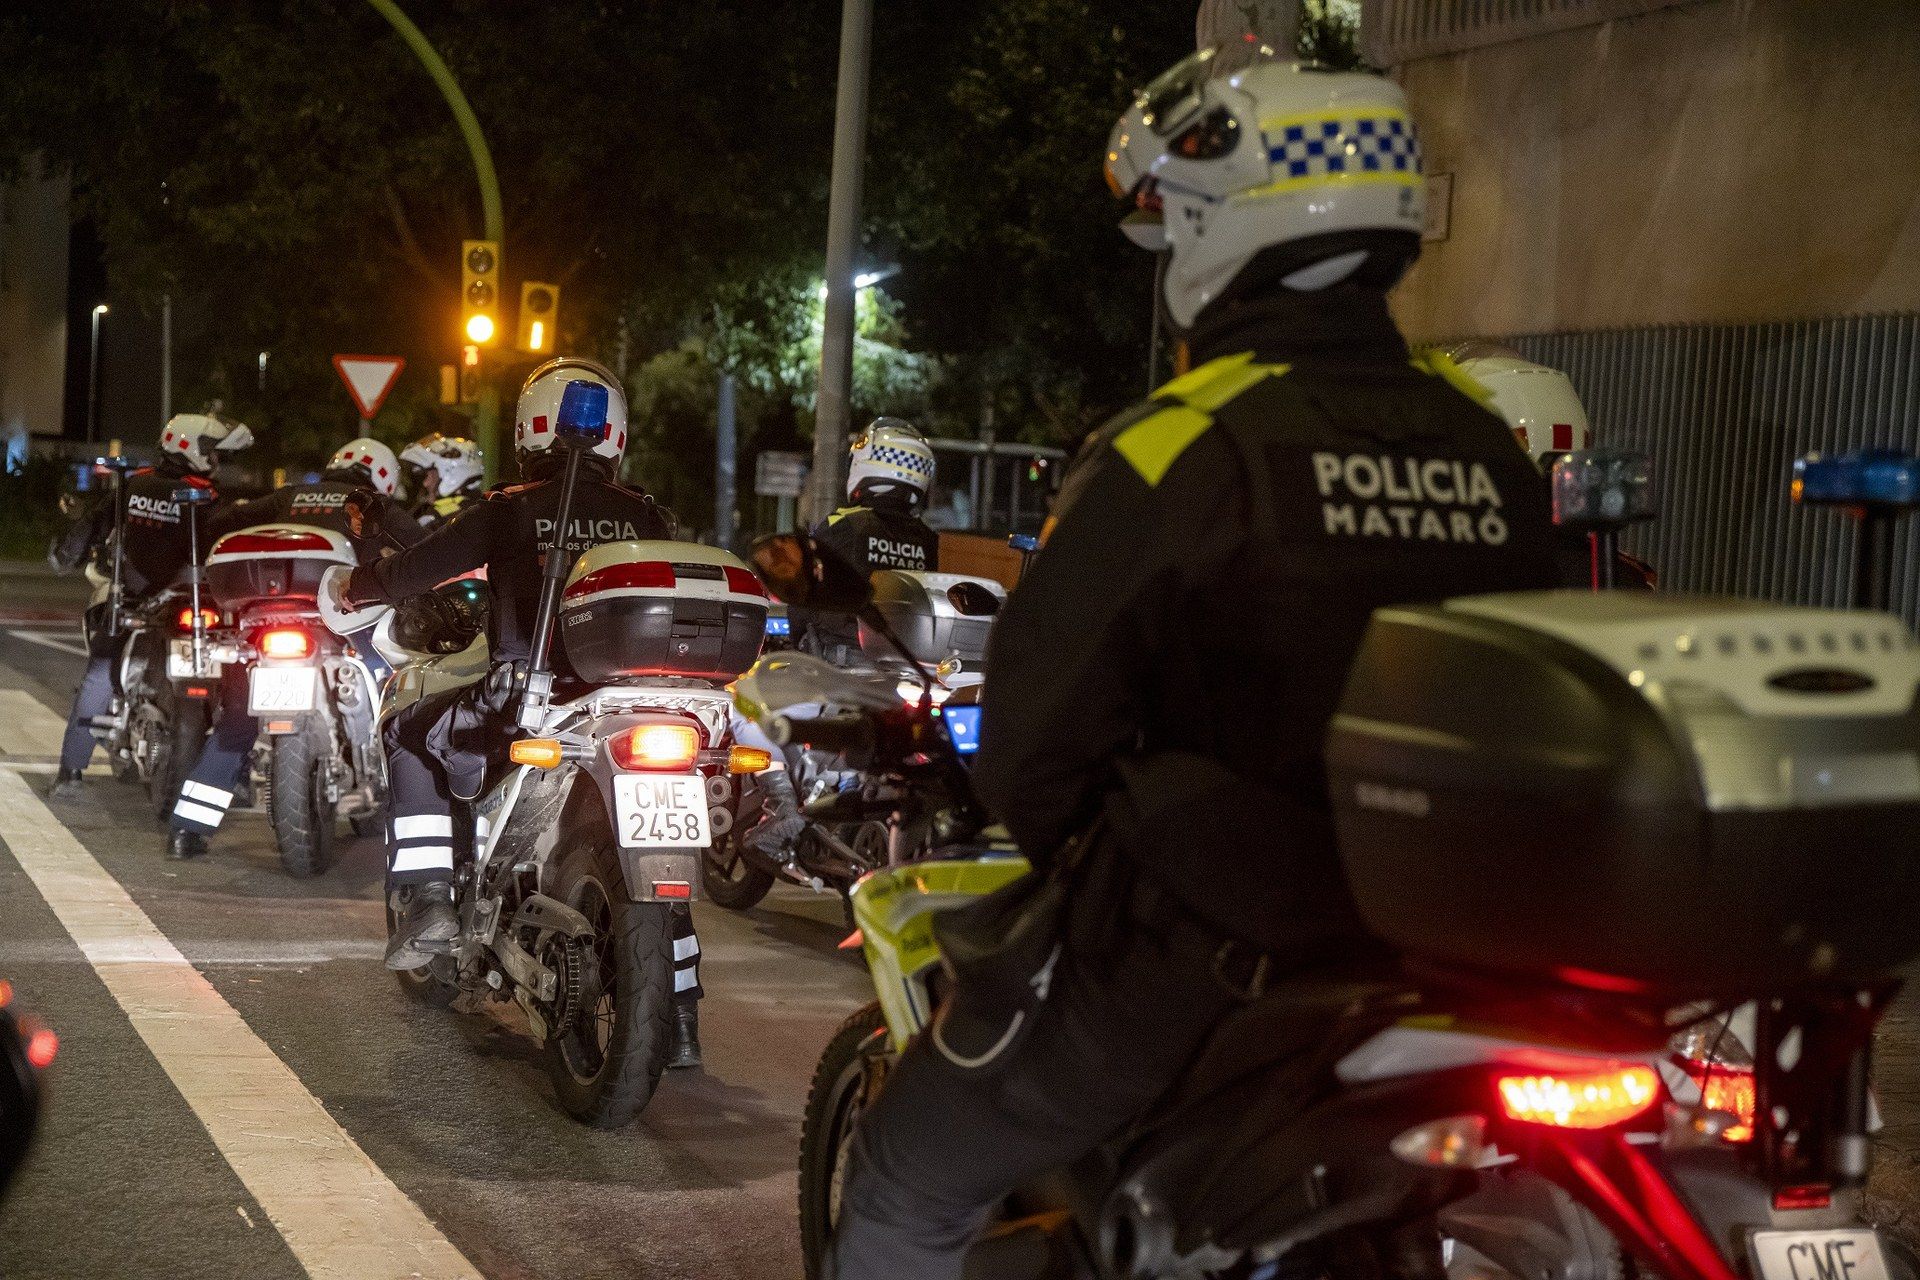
x=973, y=600
x=1597, y=490
x=800, y=571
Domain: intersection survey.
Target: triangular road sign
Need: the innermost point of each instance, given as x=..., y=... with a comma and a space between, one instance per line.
x=369, y=378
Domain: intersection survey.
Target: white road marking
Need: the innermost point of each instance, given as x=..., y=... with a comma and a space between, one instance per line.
x=340, y=1215
x=26, y=727
x=51, y=642
x=51, y=766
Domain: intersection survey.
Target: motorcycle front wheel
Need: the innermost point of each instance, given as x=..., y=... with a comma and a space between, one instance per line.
x=839, y=1093
x=615, y=1021
x=303, y=819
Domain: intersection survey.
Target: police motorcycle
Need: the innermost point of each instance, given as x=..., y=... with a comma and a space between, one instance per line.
x=1592, y=826
x=934, y=646
x=318, y=758
x=595, y=808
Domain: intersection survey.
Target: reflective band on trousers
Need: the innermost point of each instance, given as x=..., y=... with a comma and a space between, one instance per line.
x=198, y=814
x=424, y=857
x=201, y=791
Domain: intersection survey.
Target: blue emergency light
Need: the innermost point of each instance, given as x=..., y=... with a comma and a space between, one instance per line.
x=963, y=726
x=1860, y=478
x=583, y=413
x=1023, y=542
x=778, y=624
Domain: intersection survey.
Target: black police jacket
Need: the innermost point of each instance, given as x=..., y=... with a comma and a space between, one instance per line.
x=884, y=535
x=157, y=534
x=372, y=522
x=1176, y=650
x=506, y=534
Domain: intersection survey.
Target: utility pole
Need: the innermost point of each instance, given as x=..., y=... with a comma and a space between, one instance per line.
x=834, y=405
x=725, y=464
x=166, y=359
x=486, y=413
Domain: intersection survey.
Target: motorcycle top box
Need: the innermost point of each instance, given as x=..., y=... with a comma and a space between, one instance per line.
x=922, y=610
x=272, y=562
x=637, y=609
x=1696, y=796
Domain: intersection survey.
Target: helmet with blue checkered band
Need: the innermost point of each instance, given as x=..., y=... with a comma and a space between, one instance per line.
x=539, y=409
x=1279, y=174
x=890, y=459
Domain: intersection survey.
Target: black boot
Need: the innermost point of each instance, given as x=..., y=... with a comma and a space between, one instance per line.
x=426, y=927
x=66, y=785
x=685, y=1051
x=780, y=821
x=183, y=844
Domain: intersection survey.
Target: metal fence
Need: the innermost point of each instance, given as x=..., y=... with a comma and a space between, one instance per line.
x=1395, y=31
x=1724, y=410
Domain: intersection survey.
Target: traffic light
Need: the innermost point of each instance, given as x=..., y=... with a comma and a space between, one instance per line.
x=480, y=290
x=469, y=374
x=539, y=315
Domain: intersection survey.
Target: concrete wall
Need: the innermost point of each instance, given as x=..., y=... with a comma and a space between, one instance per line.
x=1723, y=161
x=33, y=305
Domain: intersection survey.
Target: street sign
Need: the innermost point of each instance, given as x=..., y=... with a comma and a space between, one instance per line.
x=780, y=475
x=368, y=379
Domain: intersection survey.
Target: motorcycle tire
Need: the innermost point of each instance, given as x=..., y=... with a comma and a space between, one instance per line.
x=729, y=878
x=303, y=820
x=605, y=1062
x=433, y=985
x=834, y=1102
x=175, y=751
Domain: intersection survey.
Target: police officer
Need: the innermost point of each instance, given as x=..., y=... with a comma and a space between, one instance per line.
x=437, y=747
x=157, y=544
x=443, y=474
x=353, y=497
x=1164, y=675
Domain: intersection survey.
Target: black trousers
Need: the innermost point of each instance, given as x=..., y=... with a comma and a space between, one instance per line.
x=945, y=1143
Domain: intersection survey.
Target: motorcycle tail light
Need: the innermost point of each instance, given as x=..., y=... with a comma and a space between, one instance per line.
x=1596, y=1099
x=1817, y=1196
x=208, y=618
x=286, y=642
x=656, y=748
x=748, y=760
x=42, y=1044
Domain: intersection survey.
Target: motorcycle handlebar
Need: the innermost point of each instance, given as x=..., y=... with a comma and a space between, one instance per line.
x=828, y=733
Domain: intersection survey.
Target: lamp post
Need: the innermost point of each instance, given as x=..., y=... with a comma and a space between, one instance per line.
x=93, y=373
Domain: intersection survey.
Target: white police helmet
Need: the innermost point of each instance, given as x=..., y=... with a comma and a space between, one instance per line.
x=1538, y=402
x=372, y=461
x=455, y=459
x=1277, y=155
x=198, y=438
x=890, y=456
x=539, y=408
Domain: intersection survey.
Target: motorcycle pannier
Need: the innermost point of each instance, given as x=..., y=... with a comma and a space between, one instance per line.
x=920, y=608
x=273, y=562
x=636, y=609
x=1696, y=795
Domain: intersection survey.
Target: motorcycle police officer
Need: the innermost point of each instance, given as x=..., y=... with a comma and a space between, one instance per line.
x=444, y=474
x=437, y=747
x=156, y=550
x=1164, y=674
x=354, y=497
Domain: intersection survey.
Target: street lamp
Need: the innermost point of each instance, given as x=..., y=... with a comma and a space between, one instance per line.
x=93, y=373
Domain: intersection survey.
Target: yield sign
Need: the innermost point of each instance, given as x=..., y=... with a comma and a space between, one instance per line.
x=369, y=378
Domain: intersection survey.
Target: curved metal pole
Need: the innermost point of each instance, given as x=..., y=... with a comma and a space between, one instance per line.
x=487, y=412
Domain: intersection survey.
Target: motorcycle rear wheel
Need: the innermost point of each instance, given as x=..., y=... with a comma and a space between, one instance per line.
x=303, y=819
x=605, y=1062
x=834, y=1103
x=729, y=877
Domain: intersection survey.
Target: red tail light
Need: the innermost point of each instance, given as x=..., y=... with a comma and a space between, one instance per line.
x=42, y=1044
x=657, y=748
x=1596, y=1099
x=286, y=642
x=1807, y=1197
x=208, y=618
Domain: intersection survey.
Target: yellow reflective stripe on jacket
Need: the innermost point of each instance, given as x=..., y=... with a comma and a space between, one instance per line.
x=1439, y=364
x=842, y=514
x=1155, y=442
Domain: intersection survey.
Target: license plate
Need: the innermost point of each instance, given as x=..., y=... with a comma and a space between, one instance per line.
x=280, y=689
x=662, y=811
x=1852, y=1253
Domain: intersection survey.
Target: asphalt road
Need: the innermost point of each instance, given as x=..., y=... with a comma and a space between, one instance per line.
x=454, y=1110
x=453, y=1113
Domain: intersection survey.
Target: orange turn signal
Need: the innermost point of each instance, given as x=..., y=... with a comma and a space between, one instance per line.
x=1580, y=1099
x=748, y=760
x=541, y=753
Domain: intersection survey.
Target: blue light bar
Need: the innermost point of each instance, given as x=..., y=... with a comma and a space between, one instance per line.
x=1023, y=542
x=583, y=411
x=1861, y=478
x=963, y=726
x=778, y=624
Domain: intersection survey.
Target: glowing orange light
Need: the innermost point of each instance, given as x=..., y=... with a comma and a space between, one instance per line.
x=1581, y=1099
x=657, y=748
x=289, y=642
x=42, y=1044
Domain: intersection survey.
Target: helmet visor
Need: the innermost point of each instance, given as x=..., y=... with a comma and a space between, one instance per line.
x=1168, y=102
